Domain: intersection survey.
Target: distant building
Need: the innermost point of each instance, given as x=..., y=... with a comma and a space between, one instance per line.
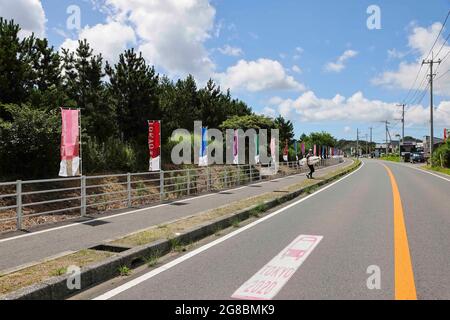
x=426, y=144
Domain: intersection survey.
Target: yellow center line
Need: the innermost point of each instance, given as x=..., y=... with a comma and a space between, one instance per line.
x=405, y=288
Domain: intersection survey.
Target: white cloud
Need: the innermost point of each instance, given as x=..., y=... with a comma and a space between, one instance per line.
x=308, y=107
x=173, y=32
x=269, y=112
x=298, y=53
x=259, y=75
x=231, y=51
x=170, y=33
x=109, y=39
x=420, y=42
x=347, y=129
x=296, y=69
x=28, y=13
x=340, y=65
x=395, y=54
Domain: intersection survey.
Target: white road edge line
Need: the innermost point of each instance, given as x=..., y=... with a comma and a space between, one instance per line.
x=153, y=273
x=143, y=209
x=421, y=170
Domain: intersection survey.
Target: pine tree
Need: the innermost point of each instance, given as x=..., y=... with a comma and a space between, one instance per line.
x=134, y=88
x=15, y=70
x=84, y=86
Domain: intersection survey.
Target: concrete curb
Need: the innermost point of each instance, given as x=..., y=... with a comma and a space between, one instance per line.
x=56, y=288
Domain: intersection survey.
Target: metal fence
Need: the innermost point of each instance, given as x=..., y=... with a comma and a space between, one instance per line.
x=37, y=202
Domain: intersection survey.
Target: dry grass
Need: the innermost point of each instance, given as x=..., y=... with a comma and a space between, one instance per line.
x=44, y=271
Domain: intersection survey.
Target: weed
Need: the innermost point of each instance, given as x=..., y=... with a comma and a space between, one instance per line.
x=124, y=271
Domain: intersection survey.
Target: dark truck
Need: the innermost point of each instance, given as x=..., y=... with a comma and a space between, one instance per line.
x=417, y=157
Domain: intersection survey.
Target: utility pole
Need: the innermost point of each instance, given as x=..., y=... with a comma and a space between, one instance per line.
x=387, y=132
x=367, y=145
x=403, y=122
x=370, y=147
x=357, y=143
x=431, y=75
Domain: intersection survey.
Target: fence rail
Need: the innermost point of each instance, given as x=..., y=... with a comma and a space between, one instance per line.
x=87, y=195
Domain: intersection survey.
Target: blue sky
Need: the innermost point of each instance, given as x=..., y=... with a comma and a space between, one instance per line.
x=278, y=56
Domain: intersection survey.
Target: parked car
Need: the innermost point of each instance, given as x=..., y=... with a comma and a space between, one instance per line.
x=418, y=157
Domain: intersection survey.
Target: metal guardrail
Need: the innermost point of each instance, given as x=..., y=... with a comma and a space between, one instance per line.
x=76, y=196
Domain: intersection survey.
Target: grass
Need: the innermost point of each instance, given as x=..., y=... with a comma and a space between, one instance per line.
x=44, y=271
x=153, y=259
x=124, y=271
x=235, y=223
x=392, y=158
x=438, y=169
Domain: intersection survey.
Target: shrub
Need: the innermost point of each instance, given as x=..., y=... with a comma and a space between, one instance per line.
x=441, y=156
x=29, y=142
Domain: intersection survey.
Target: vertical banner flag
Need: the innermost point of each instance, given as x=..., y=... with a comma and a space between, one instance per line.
x=70, y=143
x=257, y=157
x=203, y=156
x=303, y=149
x=315, y=150
x=286, y=152
x=236, y=147
x=154, y=145
x=296, y=150
x=272, y=150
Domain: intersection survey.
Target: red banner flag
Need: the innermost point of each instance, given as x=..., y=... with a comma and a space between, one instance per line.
x=70, y=143
x=154, y=145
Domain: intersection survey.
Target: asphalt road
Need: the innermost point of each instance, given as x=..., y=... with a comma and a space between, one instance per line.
x=389, y=219
x=29, y=248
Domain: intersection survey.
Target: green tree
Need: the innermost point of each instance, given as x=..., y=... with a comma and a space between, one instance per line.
x=248, y=122
x=286, y=128
x=134, y=89
x=15, y=68
x=318, y=139
x=86, y=90
x=29, y=143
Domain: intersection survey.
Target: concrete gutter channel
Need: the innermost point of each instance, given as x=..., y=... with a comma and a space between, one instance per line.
x=56, y=288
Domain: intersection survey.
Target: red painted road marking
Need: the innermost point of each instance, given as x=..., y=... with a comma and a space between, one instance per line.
x=269, y=281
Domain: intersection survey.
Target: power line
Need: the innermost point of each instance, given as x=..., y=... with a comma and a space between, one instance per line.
x=440, y=32
x=421, y=66
x=443, y=74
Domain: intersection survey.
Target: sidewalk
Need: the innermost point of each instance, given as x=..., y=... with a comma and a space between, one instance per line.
x=29, y=248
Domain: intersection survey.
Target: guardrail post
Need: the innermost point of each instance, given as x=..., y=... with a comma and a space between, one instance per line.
x=188, y=182
x=19, y=204
x=129, y=190
x=83, y=196
x=161, y=185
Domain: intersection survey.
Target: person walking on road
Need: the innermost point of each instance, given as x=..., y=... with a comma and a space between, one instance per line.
x=310, y=165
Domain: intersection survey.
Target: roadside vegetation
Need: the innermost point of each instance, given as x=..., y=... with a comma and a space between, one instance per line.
x=392, y=158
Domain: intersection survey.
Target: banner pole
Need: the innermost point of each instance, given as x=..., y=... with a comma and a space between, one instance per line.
x=80, y=142
x=160, y=146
